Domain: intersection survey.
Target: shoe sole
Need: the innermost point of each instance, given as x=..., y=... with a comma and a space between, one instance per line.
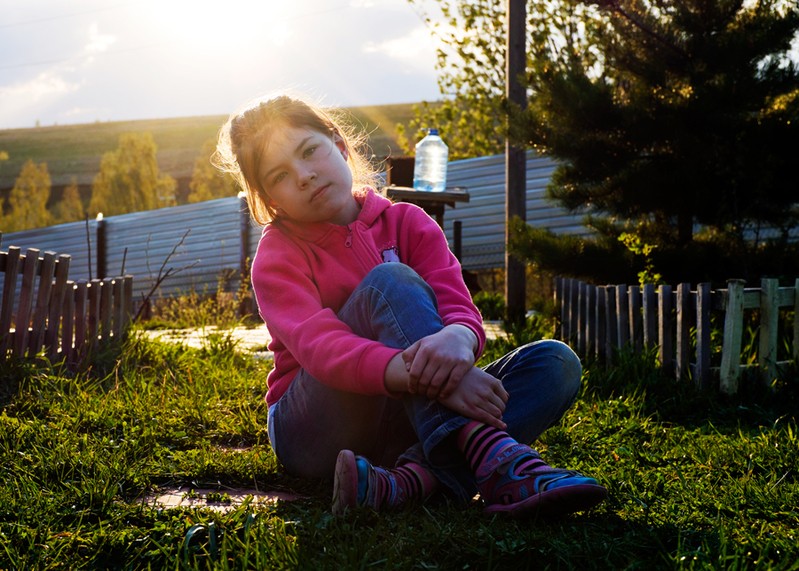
x=554, y=503
x=345, y=483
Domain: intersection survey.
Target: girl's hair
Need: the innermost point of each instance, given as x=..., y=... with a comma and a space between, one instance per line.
x=244, y=137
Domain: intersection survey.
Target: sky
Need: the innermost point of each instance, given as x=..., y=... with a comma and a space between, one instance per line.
x=82, y=61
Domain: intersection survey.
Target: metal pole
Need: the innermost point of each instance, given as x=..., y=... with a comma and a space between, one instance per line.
x=515, y=161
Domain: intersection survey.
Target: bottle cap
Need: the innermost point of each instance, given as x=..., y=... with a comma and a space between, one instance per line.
x=432, y=131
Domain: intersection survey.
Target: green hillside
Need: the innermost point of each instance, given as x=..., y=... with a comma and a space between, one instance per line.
x=76, y=150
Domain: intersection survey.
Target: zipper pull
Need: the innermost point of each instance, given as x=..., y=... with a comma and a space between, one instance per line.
x=348, y=241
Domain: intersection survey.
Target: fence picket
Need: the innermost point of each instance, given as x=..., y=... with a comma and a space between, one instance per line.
x=796, y=321
x=704, y=303
x=29, y=264
x=11, y=269
x=43, y=312
x=59, y=296
x=613, y=317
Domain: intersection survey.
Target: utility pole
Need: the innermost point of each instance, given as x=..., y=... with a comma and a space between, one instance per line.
x=515, y=161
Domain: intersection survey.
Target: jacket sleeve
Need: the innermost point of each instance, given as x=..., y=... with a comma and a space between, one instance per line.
x=290, y=304
x=428, y=253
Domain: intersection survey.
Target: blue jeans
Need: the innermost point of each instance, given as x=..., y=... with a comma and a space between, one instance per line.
x=312, y=422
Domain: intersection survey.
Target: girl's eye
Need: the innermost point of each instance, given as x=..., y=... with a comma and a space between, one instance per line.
x=309, y=151
x=278, y=177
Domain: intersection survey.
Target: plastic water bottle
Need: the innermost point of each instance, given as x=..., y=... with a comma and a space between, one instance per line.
x=430, y=166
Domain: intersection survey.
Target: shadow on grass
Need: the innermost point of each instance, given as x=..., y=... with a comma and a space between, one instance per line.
x=681, y=402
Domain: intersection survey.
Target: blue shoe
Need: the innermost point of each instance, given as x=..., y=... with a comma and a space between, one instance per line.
x=525, y=485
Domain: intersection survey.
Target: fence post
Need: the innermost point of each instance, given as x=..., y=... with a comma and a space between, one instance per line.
x=769, y=316
x=703, y=306
x=25, y=301
x=610, y=323
x=733, y=332
x=601, y=309
x=622, y=316
x=60, y=294
x=590, y=319
x=649, y=317
x=581, y=318
x=796, y=322
x=12, y=259
x=40, y=311
x=102, y=249
x=636, y=319
x=683, y=329
x=665, y=329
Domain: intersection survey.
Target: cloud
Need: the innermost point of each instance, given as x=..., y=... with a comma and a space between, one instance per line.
x=98, y=42
x=414, y=49
x=46, y=84
x=31, y=96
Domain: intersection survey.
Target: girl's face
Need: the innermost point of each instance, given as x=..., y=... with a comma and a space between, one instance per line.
x=306, y=174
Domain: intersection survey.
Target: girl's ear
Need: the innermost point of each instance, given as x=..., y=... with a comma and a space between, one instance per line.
x=341, y=145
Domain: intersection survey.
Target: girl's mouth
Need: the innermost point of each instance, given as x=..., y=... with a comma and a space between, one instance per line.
x=318, y=192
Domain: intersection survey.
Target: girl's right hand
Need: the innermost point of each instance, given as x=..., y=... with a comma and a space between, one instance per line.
x=480, y=397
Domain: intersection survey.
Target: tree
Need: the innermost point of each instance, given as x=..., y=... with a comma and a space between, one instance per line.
x=664, y=117
x=27, y=201
x=70, y=207
x=129, y=179
x=207, y=183
x=473, y=115
x=691, y=121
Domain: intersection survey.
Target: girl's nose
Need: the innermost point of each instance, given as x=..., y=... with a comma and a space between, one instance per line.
x=307, y=176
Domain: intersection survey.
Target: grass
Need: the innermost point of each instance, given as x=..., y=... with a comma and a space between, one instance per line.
x=696, y=481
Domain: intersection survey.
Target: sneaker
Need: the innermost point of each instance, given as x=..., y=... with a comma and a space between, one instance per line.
x=348, y=490
x=526, y=485
x=357, y=483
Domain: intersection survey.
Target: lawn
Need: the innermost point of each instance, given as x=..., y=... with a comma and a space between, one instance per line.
x=696, y=481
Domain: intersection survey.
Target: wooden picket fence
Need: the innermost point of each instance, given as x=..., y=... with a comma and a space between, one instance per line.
x=600, y=320
x=43, y=312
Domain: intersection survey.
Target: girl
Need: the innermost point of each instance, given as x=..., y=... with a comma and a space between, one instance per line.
x=375, y=336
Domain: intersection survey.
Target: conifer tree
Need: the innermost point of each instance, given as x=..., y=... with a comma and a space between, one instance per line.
x=691, y=122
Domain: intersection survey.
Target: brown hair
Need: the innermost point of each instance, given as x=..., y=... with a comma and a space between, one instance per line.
x=244, y=136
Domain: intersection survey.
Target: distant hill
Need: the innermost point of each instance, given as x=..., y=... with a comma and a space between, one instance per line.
x=75, y=150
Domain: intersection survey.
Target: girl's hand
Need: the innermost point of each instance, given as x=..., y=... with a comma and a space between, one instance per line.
x=436, y=364
x=479, y=396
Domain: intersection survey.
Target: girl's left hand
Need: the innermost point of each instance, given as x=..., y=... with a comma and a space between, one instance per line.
x=436, y=364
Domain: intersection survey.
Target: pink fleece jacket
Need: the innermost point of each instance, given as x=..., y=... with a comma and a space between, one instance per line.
x=303, y=274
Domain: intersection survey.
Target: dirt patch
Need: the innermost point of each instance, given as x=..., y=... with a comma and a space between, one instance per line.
x=220, y=500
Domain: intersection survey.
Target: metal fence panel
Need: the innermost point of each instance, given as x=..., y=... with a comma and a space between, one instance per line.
x=140, y=242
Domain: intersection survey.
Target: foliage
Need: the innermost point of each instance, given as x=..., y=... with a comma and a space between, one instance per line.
x=471, y=76
x=207, y=182
x=473, y=115
x=70, y=207
x=200, y=309
x=490, y=304
x=689, y=121
x=27, y=202
x=663, y=117
x=129, y=179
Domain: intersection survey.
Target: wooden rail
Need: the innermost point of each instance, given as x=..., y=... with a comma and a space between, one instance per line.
x=43, y=311
x=600, y=320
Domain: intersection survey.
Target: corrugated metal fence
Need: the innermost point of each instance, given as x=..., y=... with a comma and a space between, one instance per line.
x=200, y=243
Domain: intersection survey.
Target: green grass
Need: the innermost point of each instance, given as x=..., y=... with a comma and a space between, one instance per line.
x=696, y=481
